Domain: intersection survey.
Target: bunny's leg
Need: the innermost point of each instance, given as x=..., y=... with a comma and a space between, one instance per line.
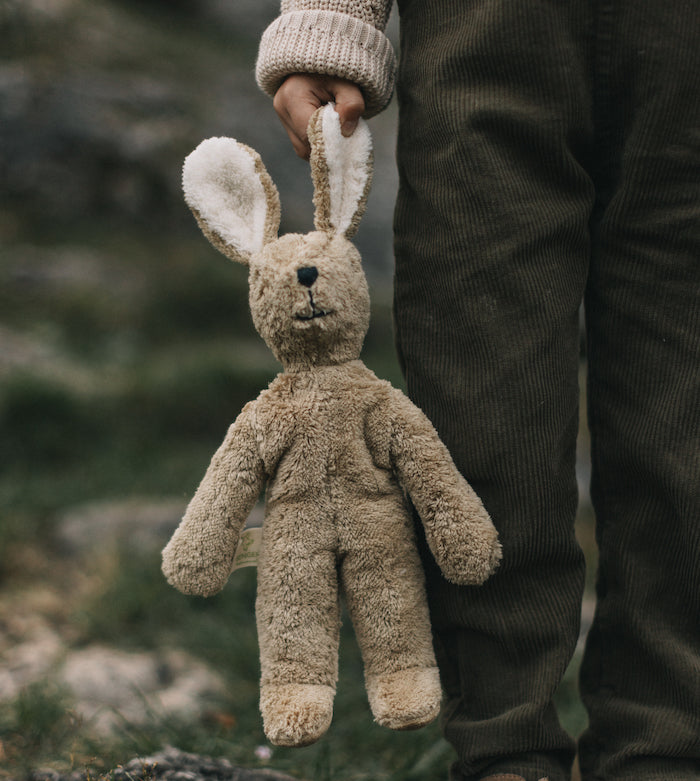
x=383, y=584
x=298, y=626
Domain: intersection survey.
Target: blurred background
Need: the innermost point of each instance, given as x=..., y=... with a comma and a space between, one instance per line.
x=126, y=349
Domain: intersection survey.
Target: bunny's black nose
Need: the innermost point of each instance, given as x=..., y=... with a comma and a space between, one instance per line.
x=307, y=275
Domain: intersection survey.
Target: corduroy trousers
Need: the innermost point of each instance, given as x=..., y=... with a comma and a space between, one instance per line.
x=549, y=155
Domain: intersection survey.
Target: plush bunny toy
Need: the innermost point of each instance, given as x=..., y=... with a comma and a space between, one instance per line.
x=339, y=451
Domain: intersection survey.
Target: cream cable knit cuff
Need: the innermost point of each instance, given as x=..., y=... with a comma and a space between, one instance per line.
x=332, y=43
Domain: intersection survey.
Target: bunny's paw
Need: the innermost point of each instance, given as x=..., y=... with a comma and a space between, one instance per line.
x=296, y=714
x=190, y=574
x=407, y=699
x=465, y=546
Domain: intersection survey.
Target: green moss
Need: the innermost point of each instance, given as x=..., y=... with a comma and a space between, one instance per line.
x=38, y=724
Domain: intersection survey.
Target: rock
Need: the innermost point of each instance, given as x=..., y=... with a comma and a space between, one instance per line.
x=142, y=524
x=139, y=524
x=29, y=661
x=112, y=687
x=170, y=764
x=99, y=127
x=108, y=687
x=99, y=147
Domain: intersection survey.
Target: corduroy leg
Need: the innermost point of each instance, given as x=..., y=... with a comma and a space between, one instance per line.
x=498, y=101
x=641, y=672
x=492, y=251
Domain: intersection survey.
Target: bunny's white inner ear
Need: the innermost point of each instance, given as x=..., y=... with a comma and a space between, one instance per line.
x=232, y=196
x=349, y=162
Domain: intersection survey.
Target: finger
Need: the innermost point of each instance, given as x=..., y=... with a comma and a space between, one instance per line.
x=295, y=101
x=349, y=103
x=300, y=144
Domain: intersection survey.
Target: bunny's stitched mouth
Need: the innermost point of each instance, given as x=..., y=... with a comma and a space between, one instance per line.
x=314, y=313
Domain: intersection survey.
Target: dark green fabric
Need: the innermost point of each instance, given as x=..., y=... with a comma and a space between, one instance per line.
x=549, y=151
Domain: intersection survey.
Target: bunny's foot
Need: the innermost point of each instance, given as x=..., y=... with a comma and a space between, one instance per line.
x=296, y=714
x=407, y=699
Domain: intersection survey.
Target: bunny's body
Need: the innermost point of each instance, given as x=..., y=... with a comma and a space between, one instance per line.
x=339, y=452
x=337, y=519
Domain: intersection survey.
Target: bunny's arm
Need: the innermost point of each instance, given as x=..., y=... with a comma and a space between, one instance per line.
x=458, y=529
x=198, y=558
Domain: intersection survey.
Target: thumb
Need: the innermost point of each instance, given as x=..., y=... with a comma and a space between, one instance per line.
x=350, y=105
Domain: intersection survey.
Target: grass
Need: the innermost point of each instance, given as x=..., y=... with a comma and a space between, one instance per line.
x=136, y=610
x=221, y=631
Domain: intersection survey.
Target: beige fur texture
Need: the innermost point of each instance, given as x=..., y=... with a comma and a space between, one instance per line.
x=341, y=455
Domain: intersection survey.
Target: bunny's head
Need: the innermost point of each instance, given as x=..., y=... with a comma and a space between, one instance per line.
x=308, y=293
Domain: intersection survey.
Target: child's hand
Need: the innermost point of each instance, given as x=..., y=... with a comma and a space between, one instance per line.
x=302, y=93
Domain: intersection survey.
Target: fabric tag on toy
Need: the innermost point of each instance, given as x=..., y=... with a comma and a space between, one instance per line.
x=248, y=551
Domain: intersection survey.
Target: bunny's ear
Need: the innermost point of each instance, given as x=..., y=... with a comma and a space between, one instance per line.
x=232, y=196
x=341, y=169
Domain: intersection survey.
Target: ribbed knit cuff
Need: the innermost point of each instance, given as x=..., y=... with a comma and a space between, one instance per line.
x=332, y=43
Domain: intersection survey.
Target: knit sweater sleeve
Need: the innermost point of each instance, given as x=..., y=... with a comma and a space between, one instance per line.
x=343, y=38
